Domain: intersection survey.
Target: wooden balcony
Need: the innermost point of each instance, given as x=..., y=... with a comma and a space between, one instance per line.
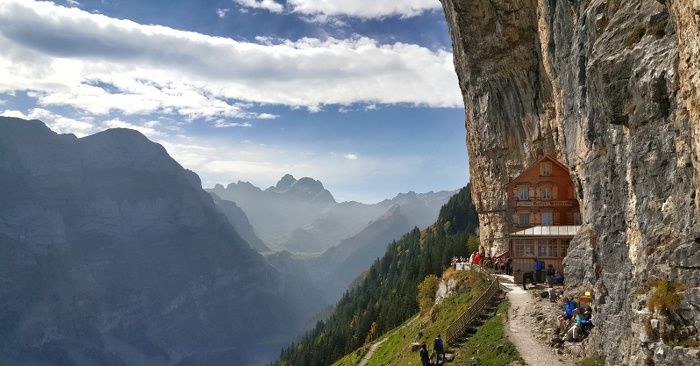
x=542, y=203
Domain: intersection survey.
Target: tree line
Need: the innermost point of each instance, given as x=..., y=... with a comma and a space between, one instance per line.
x=387, y=294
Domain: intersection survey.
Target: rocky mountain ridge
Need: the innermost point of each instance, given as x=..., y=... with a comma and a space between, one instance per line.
x=610, y=88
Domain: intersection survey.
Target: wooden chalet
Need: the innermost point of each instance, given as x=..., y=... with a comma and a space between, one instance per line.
x=544, y=216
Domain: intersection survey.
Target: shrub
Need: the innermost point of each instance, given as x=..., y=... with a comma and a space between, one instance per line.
x=664, y=297
x=658, y=29
x=635, y=37
x=596, y=360
x=426, y=293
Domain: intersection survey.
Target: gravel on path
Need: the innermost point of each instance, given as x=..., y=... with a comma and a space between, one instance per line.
x=520, y=327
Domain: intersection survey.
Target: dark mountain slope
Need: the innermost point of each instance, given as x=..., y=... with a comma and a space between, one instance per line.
x=337, y=267
x=238, y=219
x=112, y=254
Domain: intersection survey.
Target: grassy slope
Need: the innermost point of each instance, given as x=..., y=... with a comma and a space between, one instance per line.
x=489, y=345
x=489, y=338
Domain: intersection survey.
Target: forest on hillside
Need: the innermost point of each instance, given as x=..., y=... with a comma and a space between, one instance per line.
x=386, y=295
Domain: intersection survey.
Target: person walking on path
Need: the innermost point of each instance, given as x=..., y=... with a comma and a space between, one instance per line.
x=439, y=349
x=424, y=356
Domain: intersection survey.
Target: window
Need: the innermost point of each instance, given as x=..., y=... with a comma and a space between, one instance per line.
x=546, y=169
x=553, y=248
x=523, y=194
x=524, y=247
x=524, y=219
x=542, y=248
x=547, y=193
x=564, y=247
x=547, y=219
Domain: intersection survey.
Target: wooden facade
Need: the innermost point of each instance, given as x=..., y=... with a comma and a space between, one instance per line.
x=542, y=195
x=544, y=216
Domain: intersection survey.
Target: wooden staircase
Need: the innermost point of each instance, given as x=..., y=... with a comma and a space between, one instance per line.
x=459, y=332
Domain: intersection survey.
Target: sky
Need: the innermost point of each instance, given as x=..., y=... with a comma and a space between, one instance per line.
x=360, y=94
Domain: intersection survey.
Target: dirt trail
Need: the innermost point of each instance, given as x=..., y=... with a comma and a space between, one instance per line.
x=369, y=354
x=520, y=327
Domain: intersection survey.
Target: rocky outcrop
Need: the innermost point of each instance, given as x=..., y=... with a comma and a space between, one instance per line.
x=610, y=88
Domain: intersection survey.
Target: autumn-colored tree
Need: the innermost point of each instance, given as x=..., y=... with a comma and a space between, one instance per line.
x=371, y=333
x=426, y=293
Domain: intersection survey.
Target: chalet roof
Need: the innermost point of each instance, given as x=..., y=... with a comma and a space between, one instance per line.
x=545, y=157
x=557, y=230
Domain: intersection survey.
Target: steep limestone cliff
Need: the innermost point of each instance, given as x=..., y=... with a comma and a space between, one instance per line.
x=611, y=89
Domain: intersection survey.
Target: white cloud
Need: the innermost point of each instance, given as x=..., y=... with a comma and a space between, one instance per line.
x=351, y=156
x=366, y=9
x=268, y=116
x=221, y=13
x=148, y=129
x=226, y=124
x=56, y=122
x=14, y=113
x=269, y=5
x=99, y=65
x=72, y=3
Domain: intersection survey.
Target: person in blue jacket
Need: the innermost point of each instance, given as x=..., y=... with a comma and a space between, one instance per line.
x=539, y=266
x=439, y=349
x=424, y=357
x=569, y=307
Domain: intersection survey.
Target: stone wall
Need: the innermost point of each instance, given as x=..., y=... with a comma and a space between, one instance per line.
x=610, y=89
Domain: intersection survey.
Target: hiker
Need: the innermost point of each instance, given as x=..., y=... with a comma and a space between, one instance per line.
x=439, y=349
x=575, y=332
x=569, y=307
x=509, y=266
x=584, y=321
x=424, y=356
x=477, y=258
x=558, y=279
x=471, y=259
x=526, y=276
x=539, y=265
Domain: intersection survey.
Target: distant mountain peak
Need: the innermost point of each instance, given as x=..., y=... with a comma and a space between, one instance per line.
x=286, y=182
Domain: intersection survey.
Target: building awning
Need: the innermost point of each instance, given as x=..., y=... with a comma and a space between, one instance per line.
x=558, y=230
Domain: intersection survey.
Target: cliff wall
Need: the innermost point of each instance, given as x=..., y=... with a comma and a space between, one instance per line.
x=610, y=88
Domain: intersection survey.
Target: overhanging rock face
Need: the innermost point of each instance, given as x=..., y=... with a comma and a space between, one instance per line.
x=608, y=89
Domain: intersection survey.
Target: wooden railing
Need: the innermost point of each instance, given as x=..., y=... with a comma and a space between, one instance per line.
x=457, y=328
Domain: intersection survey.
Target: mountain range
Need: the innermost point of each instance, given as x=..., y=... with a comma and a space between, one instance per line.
x=302, y=216
x=113, y=254
x=334, y=242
